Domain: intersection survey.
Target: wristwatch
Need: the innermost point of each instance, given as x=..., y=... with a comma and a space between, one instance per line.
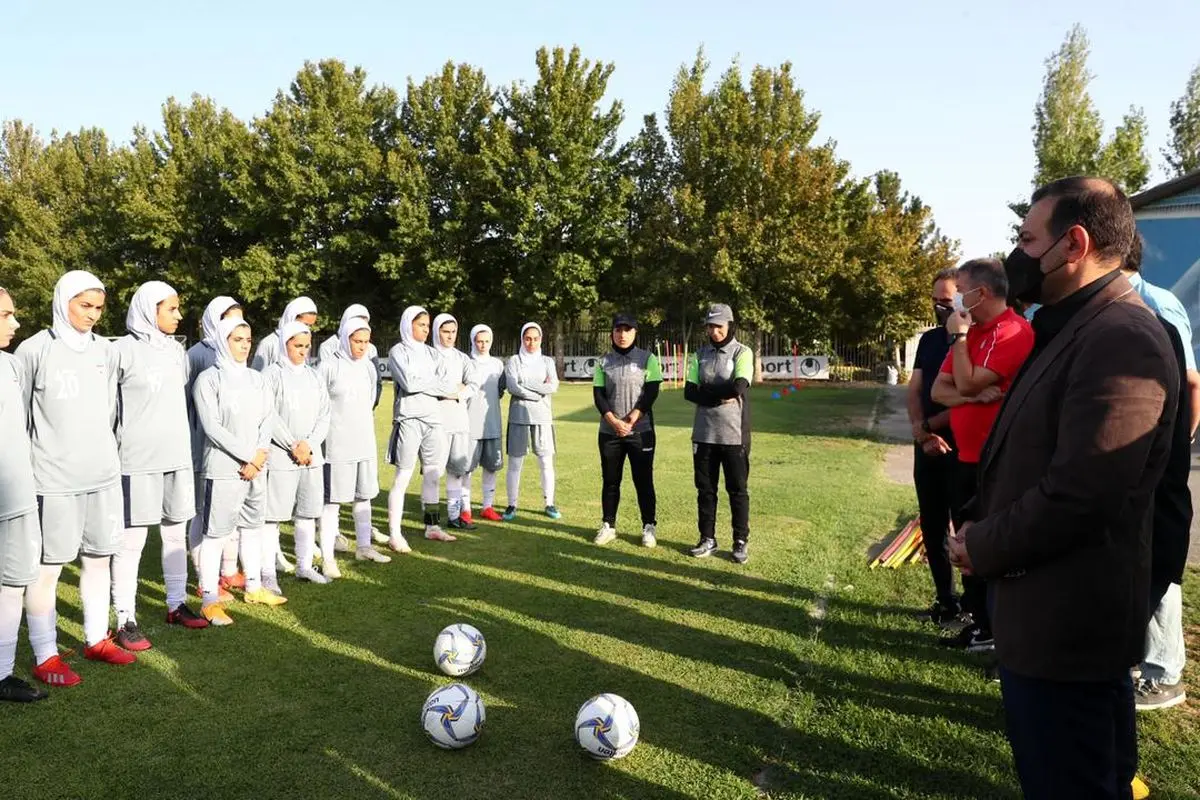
x=925, y=427
x=954, y=337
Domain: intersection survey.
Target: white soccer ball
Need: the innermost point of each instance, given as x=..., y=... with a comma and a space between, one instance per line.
x=453, y=716
x=459, y=650
x=607, y=727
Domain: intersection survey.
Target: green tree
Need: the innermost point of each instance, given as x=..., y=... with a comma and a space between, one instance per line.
x=1183, y=152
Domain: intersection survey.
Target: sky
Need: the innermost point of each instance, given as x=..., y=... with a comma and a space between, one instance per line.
x=941, y=92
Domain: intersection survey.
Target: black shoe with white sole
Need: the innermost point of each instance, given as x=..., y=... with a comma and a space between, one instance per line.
x=704, y=548
x=739, y=553
x=15, y=690
x=973, y=639
x=1150, y=695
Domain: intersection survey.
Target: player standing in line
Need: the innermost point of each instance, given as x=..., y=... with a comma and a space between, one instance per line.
x=530, y=379
x=417, y=429
x=20, y=534
x=302, y=309
x=484, y=413
x=70, y=395
x=237, y=414
x=157, y=482
x=351, y=458
x=458, y=368
x=295, y=467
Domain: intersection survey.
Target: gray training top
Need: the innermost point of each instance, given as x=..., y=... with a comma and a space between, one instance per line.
x=302, y=412
x=237, y=414
x=457, y=368
x=351, y=387
x=622, y=376
x=530, y=385
x=71, y=399
x=484, y=408
x=420, y=383
x=200, y=357
x=18, y=496
x=153, y=433
x=727, y=423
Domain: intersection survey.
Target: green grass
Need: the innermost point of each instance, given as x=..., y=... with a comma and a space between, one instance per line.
x=742, y=685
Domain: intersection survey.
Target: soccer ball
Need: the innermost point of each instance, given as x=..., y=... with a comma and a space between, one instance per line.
x=607, y=727
x=459, y=650
x=453, y=716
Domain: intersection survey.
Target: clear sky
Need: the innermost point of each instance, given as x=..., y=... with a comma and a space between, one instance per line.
x=942, y=91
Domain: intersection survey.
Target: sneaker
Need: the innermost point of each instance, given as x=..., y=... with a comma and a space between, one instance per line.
x=330, y=570
x=1140, y=790
x=438, y=535
x=649, y=535
x=941, y=613
x=1150, y=695
x=973, y=638
x=262, y=596
x=377, y=536
x=341, y=544
x=992, y=673
x=271, y=584
x=605, y=535
x=399, y=544
x=130, y=637
x=466, y=517
x=15, y=690
x=107, y=651
x=183, y=615
x=55, y=672
x=703, y=548
x=510, y=514
x=311, y=576
x=491, y=514
x=461, y=524
x=215, y=614
x=739, y=553
x=553, y=513
x=283, y=565
x=235, y=581
x=371, y=554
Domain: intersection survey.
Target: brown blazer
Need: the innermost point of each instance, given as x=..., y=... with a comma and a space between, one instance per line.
x=1065, y=489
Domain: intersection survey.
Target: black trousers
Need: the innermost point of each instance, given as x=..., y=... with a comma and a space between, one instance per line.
x=934, y=478
x=974, y=597
x=1071, y=739
x=708, y=460
x=639, y=448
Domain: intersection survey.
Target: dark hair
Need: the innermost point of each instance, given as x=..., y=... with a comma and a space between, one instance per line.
x=1133, y=261
x=947, y=274
x=1095, y=204
x=987, y=272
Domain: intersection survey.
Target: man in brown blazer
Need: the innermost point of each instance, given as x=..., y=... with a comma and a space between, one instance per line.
x=1066, y=482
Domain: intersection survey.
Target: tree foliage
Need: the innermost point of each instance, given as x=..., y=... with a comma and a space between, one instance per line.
x=1183, y=151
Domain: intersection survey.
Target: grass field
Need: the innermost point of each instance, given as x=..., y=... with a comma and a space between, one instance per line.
x=800, y=675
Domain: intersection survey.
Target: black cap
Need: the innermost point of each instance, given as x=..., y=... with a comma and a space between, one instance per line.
x=624, y=320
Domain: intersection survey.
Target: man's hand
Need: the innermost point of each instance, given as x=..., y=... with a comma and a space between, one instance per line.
x=248, y=472
x=956, y=548
x=958, y=322
x=935, y=445
x=920, y=435
x=991, y=394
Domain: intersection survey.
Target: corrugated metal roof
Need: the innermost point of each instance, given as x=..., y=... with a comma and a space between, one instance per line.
x=1183, y=186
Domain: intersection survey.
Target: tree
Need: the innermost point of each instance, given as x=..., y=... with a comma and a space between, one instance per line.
x=1183, y=153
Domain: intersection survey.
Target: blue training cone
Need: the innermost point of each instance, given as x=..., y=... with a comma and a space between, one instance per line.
x=775, y=395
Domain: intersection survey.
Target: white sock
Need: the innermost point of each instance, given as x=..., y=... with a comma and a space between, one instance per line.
x=454, y=496
x=125, y=564
x=465, y=502
x=513, y=479
x=211, y=551
x=229, y=556
x=329, y=531
x=396, y=500
x=270, y=546
x=252, y=556
x=362, y=522
x=12, y=599
x=489, y=489
x=40, y=614
x=429, y=485
x=95, y=582
x=306, y=540
x=547, y=463
x=174, y=562
x=195, y=539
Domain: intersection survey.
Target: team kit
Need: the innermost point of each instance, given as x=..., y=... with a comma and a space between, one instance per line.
x=217, y=446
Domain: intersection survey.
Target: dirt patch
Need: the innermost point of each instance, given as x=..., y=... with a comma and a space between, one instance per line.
x=898, y=464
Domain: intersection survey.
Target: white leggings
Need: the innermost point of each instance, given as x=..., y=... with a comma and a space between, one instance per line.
x=516, y=463
x=429, y=493
x=95, y=581
x=127, y=561
x=360, y=510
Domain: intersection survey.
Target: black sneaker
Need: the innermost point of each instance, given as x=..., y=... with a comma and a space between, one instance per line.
x=973, y=639
x=704, y=548
x=15, y=690
x=461, y=524
x=739, y=552
x=1150, y=695
x=941, y=613
x=130, y=637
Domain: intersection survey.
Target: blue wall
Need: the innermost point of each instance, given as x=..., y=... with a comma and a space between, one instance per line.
x=1172, y=247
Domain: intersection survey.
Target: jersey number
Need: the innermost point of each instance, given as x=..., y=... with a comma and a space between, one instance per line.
x=68, y=384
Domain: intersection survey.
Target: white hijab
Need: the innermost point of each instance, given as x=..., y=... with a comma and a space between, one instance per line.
x=524, y=354
x=475, y=332
x=438, y=322
x=225, y=359
x=301, y=305
x=348, y=329
x=289, y=332
x=70, y=286
x=216, y=308
x=142, y=318
x=406, y=322
x=355, y=310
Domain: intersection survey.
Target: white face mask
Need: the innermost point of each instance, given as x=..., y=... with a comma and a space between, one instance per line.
x=959, y=303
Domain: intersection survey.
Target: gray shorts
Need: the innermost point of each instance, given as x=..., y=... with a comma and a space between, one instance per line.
x=158, y=497
x=74, y=523
x=232, y=504
x=346, y=483
x=522, y=438
x=487, y=454
x=414, y=437
x=20, y=549
x=458, y=453
x=295, y=494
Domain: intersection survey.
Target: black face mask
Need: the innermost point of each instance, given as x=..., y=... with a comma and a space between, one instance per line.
x=1025, y=276
x=942, y=312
